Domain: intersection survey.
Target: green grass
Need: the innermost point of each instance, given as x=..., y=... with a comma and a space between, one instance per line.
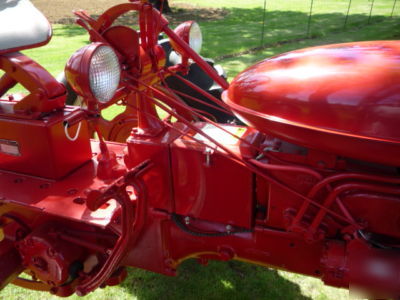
x=241, y=28
x=388, y=29
x=238, y=31
x=66, y=40
x=218, y=280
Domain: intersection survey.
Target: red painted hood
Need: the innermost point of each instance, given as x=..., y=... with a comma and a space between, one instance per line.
x=351, y=91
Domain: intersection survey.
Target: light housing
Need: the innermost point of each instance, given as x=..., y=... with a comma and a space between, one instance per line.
x=190, y=32
x=94, y=72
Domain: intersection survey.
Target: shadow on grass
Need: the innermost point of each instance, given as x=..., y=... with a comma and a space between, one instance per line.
x=241, y=29
x=69, y=31
x=232, y=30
x=218, y=280
x=386, y=29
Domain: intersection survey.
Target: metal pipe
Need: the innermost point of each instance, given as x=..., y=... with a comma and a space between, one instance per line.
x=346, y=187
x=237, y=158
x=192, y=54
x=201, y=91
x=328, y=180
x=273, y=167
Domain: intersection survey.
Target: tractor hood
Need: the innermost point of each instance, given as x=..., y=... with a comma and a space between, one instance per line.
x=341, y=98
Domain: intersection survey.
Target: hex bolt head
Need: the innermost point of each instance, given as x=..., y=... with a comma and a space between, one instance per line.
x=187, y=220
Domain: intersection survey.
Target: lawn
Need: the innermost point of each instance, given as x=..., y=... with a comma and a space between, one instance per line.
x=235, y=26
x=232, y=27
x=235, y=29
x=218, y=280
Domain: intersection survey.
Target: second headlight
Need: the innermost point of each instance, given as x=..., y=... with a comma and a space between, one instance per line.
x=190, y=32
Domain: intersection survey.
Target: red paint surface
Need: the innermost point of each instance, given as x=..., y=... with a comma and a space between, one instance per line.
x=179, y=190
x=339, y=98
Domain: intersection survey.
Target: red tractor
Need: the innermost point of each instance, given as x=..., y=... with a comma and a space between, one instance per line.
x=310, y=184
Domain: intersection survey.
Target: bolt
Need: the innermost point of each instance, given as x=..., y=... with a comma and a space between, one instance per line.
x=40, y=263
x=20, y=234
x=347, y=237
x=202, y=261
x=44, y=186
x=228, y=228
x=79, y=200
x=51, y=252
x=321, y=164
x=87, y=191
x=18, y=180
x=208, y=152
x=72, y=192
x=49, y=282
x=226, y=254
x=169, y=262
x=187, y=220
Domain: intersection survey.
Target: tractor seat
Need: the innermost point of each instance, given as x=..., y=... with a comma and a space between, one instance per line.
x=22, y=26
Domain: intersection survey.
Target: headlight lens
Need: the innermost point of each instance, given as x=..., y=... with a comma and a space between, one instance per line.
x=195, y=37
x=104, y=73
x=94, y=72
x=190, y=32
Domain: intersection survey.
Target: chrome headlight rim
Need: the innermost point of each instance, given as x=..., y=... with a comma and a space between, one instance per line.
x=116, y=76
x=195, y=37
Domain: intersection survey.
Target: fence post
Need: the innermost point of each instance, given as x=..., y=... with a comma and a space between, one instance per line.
x=347, y=15
x=309, y=18
x=370, y=12
x=394, y=6
x=263, y=25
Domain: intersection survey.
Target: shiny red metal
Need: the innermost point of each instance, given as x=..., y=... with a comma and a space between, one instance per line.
x=183, y=31
x=294, y=193
x=337, y=98
x=77, y=70
x=63, y=147
x=45, y=93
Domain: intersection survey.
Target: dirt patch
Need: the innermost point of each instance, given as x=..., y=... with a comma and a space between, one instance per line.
x=60, y=11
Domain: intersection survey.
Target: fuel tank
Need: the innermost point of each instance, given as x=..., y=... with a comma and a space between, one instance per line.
x=342, y=99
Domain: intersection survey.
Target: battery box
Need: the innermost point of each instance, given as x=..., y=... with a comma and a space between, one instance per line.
x=44, y=147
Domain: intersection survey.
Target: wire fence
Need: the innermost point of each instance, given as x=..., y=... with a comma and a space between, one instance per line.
x=328, y=15
x=235, y=27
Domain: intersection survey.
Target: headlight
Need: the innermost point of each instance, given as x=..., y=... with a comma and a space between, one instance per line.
x=190, y=32
x=94, y=72
x=195, y=37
